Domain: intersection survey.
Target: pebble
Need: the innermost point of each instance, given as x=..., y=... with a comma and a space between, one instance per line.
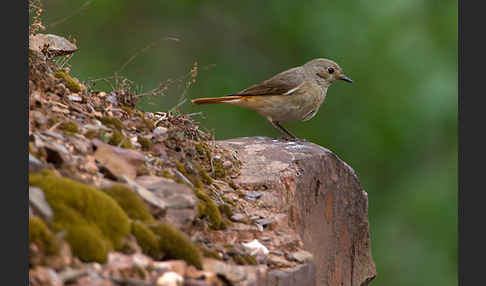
x=170, y=279
x=237, y=217
x=160, y=131
x=75, y=97
x=253, y=195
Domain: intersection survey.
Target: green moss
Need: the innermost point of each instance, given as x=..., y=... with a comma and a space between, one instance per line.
x=229, y=201
x=90, y=134
x=127, y=109
x=203, y=150
x=51, y=121
x=207, y=208
x=40, y=235
x=176, y=245
x=204, y=176
x=128, y=200
x=70, y=82
x=244, y=260
x=69, y=127
x=166, y=174
x=233, y=185
x=112, y=122
x=94, y=222
x=117, y=138
x=146, y=239
x=180, y=167
x=226, y=210
x=219, y=170
x=87, y=243
x=210, y=253
x=144, y=142
x=149, y=124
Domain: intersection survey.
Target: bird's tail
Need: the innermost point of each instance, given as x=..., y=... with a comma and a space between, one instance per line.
x=222, y=99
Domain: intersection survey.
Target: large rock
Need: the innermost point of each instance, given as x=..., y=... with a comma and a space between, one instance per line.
x=323, y=199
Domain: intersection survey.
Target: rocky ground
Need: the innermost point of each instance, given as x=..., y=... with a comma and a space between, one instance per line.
x=119, y=196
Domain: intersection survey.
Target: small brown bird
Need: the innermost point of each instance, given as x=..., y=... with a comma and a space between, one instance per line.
x=292, y=95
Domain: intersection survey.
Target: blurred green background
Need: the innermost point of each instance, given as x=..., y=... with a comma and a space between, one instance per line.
x=396, y=125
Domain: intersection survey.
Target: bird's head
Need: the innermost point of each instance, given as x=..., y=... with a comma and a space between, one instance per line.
x=325, y=71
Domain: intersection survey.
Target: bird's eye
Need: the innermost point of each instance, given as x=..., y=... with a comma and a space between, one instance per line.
x=330, y=70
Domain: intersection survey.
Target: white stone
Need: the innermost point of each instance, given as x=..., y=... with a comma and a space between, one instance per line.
x=170, y=279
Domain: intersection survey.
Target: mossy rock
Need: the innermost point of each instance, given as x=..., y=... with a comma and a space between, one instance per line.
x=40, y=235
x=245, y=260
x=117, y=139
x=145, y=143
x=68, y=80
x=206, y=207
x=210, y=253
x=69, y=127
x=130, y=202
x=176, y=245
x=146, y=239
x=112, y=122
x=85, y=213
x=87, y=243
x=226, y=210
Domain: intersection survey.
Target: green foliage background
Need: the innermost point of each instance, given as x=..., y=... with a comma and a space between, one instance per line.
x=396, y=125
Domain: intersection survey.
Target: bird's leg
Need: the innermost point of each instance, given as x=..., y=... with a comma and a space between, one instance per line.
x=284, y=131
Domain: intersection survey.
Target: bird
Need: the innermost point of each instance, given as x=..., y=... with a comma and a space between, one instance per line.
x=293, y=95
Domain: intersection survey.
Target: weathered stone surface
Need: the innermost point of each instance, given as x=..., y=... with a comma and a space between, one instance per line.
x=118, y=161
x=179, y=199
x=323, y=199
x=39, y=203
x=52, y=44
x=301, y=275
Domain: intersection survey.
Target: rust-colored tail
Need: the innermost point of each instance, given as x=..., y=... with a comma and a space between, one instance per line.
x=223, y=99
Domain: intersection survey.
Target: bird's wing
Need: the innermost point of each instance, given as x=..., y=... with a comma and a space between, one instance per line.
x=284, y=83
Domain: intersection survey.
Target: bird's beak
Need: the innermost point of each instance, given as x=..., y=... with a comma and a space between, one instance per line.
x=345, y=78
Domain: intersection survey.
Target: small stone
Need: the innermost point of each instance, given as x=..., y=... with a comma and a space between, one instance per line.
x=170, y=279
x=227, y=164
x=53, y=45
x=160, y=131
x=263, y=221
x=39, y=202
x=53, y=134
x=34, y=164
x=237, y=217
x=112, y=98
x=101, y=94
x=39, y=117
x=75, y=97
x=301, y=256
x=253, y=195
x=256, y=248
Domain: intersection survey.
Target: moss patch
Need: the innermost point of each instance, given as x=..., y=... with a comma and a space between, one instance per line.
x=117, y=139
x=176, y=245
x=94, y=222
x=68, y=80
x=132, y=204
x=210, y=253
x=90, y=134
x=144, y=142
x=112, y=122
x=206, y=207
x=69, y=127
x=244, y=260
x=40, y=235
x=226, y=210
x=146, y=239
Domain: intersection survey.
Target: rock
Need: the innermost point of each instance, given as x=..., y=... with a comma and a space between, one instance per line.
x=120, y=265
x=34, y=164
x=148, y=196
x=256, y=248
x=39, y=203
x=118, y=161
x=301, y=275
x=237, y=217
x=254, y=195
x=43, y=276
x=236, y=274
x=177, y=266
x=75, y=97
x=301, y=256
x=170, y=279
x=160, y=131
x=53, y=45
x=179, y=199
x=322, y=198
